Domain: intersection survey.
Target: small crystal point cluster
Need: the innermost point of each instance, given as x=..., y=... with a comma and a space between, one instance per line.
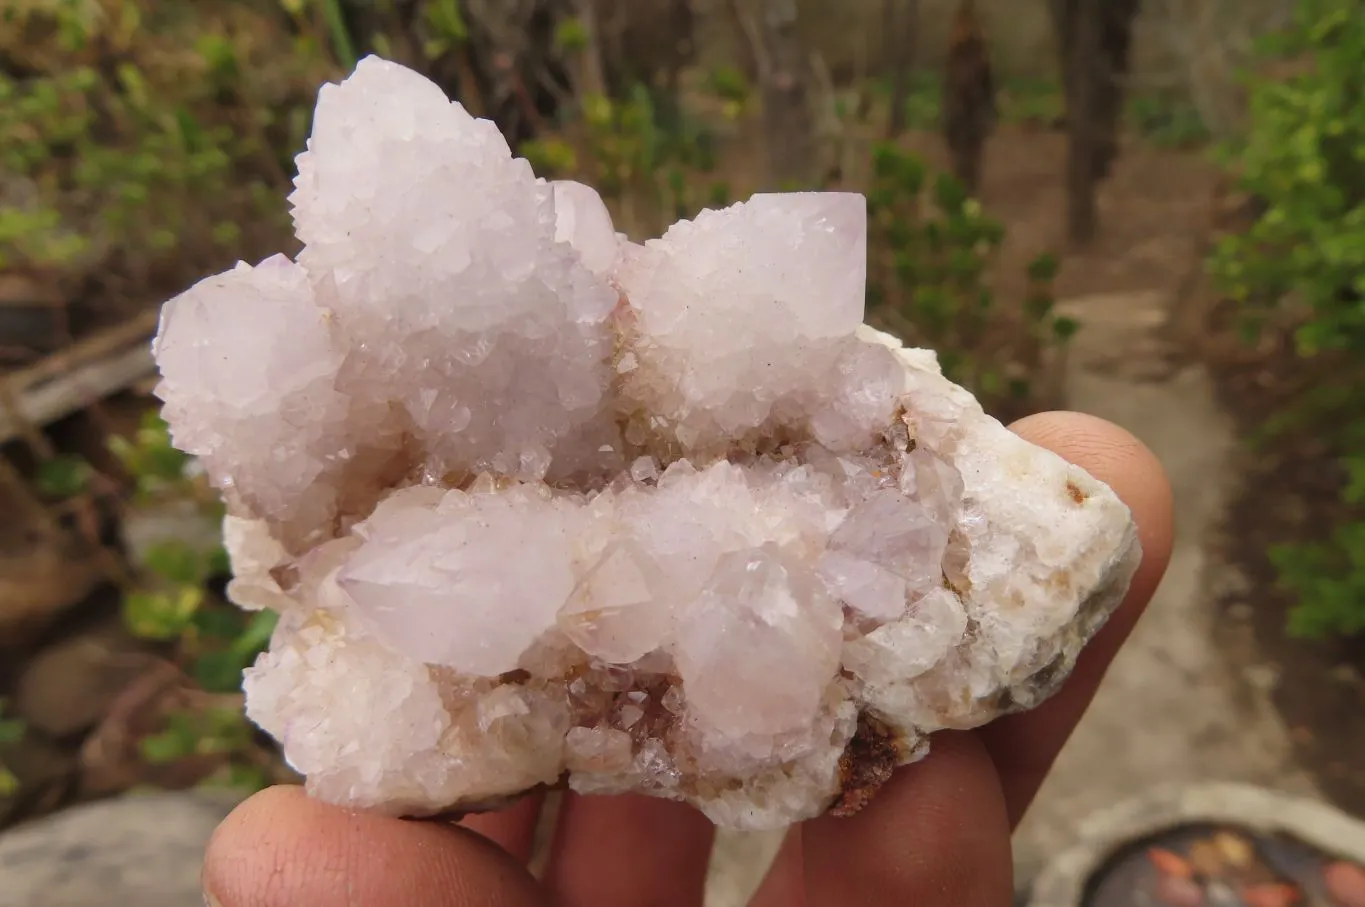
x=537, y=504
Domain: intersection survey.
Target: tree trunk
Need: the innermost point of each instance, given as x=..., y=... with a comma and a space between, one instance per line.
x=1083, y=63
x=968, y=106
x=900, y=28
x=589, y=80
x=789, y=126
x=1116, y=43
x=1094, y=44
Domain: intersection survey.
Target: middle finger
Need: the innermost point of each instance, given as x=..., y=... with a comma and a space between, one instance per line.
x=936, y=835
x=628, y=851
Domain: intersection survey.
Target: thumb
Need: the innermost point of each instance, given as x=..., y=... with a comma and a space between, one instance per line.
x=283, y=849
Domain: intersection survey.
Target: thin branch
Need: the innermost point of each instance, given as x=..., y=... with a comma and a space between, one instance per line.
x=74, y=378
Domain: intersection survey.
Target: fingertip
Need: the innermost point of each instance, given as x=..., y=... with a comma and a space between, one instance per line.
x=234, y=848
x=282, y=847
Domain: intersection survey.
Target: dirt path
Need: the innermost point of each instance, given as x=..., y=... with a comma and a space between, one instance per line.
x=1183, y=701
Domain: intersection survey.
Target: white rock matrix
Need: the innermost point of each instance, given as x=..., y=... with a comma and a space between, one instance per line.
x=538, y=505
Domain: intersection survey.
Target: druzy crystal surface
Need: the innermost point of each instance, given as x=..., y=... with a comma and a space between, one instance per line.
x=537, y=504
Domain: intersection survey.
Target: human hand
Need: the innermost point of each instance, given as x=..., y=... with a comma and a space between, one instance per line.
x=937, y=835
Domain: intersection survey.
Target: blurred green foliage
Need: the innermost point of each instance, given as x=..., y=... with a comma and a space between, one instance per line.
x=174, y=596
x=158, y=468
x=1163, y=119
x=1167, y=122
x=730, y=84
x=11, y=731
x=1031, y=101
x=931, y=246
x=176, y=600
x=63, y=476
x=1305, y=256
x=220, y=732
x=653, y=166
x=138, y=139
x=1024, y=101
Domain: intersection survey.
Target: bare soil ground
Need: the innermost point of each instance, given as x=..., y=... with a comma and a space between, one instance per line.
x=1291, y=493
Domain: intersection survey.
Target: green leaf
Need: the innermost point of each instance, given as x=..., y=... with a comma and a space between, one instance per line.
x=1354, y=492
x=446, y=23
x=728, y=83
x=570, y=35
x=1037, y=306
x=228, y=726
x=256, y=636
x=218, y=53
x=338, y=33
x=550, y=155
x=64, y=476
x=219, y=672
x=226, y=233
x=12, y=730
x=176, y=562
x=1043, y=268
x=949, y=193
x=162, y=614
x=163, y=748
x=235, y=776
x=219, y=623
x=179, y=739
x=1064, y=328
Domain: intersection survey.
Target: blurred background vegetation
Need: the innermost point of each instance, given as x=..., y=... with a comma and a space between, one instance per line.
x=147, y=143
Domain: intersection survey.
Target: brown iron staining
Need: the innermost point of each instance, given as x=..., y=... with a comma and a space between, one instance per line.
x=1075, y=493
x=969, y=109
x=867, y=763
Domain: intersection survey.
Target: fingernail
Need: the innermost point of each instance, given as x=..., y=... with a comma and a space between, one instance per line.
x=211, y=901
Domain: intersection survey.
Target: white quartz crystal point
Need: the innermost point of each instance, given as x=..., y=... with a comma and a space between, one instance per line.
x=248, y=367
x=440, y=254
x=742, y=315
x=437, y=575
x=583, y=221
x=622, y=608
x=758, y=647
x=253, y=554
x=911, y=645
x=887, y=551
